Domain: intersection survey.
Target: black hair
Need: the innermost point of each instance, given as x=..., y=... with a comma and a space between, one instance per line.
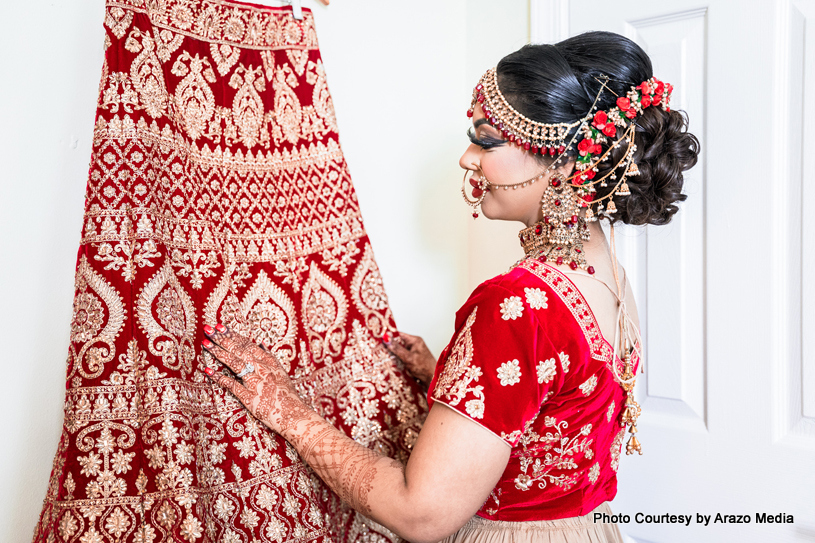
x=559, y=83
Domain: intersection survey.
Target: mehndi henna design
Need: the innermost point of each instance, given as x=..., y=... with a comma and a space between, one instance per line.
x=346, y=466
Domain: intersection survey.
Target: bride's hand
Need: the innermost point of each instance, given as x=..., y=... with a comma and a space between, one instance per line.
x=413, y=352
x=266, y=391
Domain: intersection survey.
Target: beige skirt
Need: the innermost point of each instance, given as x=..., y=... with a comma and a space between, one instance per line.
x=565, y=530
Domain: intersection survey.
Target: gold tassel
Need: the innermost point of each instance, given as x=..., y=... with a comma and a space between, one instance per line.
x=623, y=190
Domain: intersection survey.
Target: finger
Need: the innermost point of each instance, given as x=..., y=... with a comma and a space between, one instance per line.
x=232, y=385
x=230, y=360
x=400, y=352
x=240, y=345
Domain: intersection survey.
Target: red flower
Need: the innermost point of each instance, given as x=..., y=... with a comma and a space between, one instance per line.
x=645, y=101
x=596, y=149
x=630, y=113
x=600, y=120
x=610, y=130
x=589, y=174
x=645, y=88
x=623, y=103
x=585, y=146
x=657, y=100
x=660, y=88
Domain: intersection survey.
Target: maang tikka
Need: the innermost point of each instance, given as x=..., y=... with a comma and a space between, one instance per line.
x=559, y=237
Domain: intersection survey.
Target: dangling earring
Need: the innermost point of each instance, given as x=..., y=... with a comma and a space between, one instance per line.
x=479, y=192
x=559, y=236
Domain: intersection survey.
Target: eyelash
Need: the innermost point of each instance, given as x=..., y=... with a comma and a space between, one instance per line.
x=486, y=143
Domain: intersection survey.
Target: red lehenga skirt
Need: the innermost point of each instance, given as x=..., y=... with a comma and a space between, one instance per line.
x=217, y=192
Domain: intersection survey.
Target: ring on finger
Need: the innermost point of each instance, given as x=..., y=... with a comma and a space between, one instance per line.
x=249, y=368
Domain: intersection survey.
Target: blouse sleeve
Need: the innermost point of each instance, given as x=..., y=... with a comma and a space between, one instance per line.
x=500, y=367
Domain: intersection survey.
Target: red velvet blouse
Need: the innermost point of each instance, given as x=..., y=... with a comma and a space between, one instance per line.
x=529, y=364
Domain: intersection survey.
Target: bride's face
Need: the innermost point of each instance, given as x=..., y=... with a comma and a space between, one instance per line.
x=503, y=163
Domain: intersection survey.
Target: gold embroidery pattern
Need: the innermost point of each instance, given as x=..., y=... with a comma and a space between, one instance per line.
x=574, y=300
x=616, y=449
x=207, y=203
x=94, y=296
x=454, y=381
x=368, y=293
x=548, y=458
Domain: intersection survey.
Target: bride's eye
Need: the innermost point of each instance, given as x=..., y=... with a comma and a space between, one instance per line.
x=486, y=142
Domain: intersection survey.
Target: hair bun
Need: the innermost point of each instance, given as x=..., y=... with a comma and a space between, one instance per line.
x=665, y=149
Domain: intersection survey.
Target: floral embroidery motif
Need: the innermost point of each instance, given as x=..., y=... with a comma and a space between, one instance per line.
x=509, y=373
x=616, y=449
x=564, y=362
x=610, y=411
x=536, y=298
x=512, y=308
x=454, y=381
x=588, y=387
x=594, y=473
x=475, y=408
x=560, y=450
x=546, y=371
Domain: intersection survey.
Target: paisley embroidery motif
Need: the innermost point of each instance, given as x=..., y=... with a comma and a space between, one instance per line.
x=267, y=315
x=454, y=381
x=146, y=74
x=193, y=98
x=247, y=107
x=93, y=296
x=368, y=294
x=288, y=113
x=325, y=310
x=171, y=336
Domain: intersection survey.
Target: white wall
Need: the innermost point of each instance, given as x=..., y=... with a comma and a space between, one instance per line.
x=400, y=74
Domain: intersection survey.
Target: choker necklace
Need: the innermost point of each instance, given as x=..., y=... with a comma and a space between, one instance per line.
x=559, y=236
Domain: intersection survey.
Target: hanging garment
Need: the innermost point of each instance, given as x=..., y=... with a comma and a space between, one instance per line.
x=217, y=192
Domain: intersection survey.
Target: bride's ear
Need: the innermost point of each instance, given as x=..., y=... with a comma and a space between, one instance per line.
x=566, y=168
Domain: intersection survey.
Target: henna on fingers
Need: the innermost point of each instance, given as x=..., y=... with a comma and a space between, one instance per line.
x=267, y=392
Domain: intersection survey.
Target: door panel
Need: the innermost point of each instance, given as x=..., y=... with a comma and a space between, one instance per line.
x=726, y=292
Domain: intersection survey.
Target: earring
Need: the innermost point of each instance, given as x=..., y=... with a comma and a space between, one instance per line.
x=478, y=192
x=559, y=236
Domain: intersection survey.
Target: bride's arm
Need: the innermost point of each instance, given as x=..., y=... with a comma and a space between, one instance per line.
x=454, y=465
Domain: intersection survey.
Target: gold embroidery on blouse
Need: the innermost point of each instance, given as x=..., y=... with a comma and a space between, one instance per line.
x=511, y=308
x=509, y=373
x=536, y=298
x=594, y=473
x=454, y=382
x=610, y=412
x=616, y=449
x=542, y=455
x=588, y=386
x=564, y=362
x=546, y=371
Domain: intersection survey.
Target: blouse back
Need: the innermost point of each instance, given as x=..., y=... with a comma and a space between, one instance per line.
x=529, y=364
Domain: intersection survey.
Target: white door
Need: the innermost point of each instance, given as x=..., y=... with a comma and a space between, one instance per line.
x=727, y=291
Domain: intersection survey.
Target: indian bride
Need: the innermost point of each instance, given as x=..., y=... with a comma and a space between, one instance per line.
x=532, y=399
